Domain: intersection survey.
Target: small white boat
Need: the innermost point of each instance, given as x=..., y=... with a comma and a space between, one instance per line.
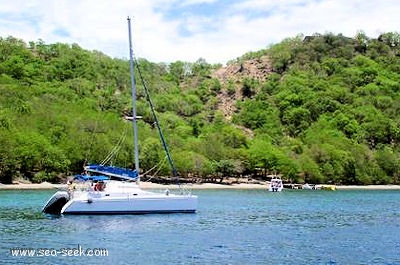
x=276, y=184
x=307, y=186
x=116, y=190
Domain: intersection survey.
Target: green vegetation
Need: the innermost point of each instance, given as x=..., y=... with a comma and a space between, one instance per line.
x=326, y=113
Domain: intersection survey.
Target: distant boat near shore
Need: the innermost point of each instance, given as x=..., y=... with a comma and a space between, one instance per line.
x=307, y=186
x=276, y=184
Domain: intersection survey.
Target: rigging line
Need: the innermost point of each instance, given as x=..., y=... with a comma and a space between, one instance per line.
x=156, y=166
x=115, y=149
x=171, y=162
x=155, y=174
x=88, y=153
x=110, y=155
x=159, y=168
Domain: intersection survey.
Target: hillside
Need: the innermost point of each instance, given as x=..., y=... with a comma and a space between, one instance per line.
x=320, y=109
x=231, y=77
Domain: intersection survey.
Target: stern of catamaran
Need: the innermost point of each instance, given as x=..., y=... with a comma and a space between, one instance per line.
x=56, y=202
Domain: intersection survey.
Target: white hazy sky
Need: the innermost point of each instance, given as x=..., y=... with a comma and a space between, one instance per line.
x=172, y=30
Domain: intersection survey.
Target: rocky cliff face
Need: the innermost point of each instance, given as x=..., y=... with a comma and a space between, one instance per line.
x=254, y=68
x=233, y=75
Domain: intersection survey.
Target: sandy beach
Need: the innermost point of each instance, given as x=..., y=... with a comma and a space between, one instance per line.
x=369, y=187
x=143, y=185
x=149, y=185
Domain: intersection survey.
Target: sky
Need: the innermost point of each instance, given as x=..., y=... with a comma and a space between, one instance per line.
x=186, y=30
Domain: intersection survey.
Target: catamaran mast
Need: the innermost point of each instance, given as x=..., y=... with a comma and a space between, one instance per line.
x=133, y=86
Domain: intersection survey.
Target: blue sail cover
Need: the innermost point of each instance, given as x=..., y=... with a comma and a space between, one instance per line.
x=88, y=177
x=113, y=171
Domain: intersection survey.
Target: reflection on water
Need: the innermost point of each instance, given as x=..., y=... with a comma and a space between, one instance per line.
x=231, y=227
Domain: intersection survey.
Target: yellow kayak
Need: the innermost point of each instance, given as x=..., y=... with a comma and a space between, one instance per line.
x=328, y=187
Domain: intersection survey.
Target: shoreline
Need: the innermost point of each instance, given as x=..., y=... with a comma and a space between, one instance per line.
x=150, y=185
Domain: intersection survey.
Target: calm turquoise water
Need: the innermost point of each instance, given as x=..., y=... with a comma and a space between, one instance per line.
x=231, y=227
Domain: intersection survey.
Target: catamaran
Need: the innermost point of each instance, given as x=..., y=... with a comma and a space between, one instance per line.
x=113, y=190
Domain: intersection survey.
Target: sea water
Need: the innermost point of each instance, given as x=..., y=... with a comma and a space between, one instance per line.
x=230, y=227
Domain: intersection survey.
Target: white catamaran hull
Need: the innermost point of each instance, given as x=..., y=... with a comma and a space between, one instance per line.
x=130, y=204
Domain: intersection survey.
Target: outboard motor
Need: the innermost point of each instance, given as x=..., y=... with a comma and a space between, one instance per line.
x=56, y=202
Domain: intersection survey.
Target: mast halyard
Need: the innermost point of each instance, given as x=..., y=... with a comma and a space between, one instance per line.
x=133, y=86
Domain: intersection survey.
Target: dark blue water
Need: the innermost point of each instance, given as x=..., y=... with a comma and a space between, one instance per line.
x=231, y=227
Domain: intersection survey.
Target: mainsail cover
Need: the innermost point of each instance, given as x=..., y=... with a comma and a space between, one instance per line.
x=117, y=172
x=89, y=177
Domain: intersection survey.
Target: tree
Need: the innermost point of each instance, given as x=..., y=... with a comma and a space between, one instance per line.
x=282, y=53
